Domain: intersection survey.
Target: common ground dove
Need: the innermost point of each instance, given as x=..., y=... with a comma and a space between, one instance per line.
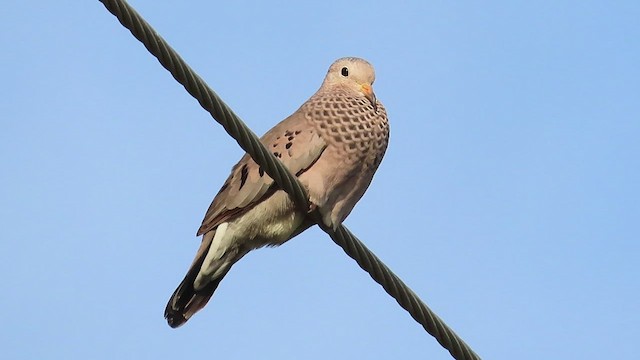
x=333, y=143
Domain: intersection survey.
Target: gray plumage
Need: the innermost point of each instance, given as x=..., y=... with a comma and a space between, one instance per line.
x=333, y=143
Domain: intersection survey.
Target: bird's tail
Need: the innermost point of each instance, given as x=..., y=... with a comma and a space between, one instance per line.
x=186, y=300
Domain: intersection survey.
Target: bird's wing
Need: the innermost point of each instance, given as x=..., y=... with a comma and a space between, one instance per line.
x=294, y=141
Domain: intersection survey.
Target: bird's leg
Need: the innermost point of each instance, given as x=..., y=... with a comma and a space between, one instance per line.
x=314, y=213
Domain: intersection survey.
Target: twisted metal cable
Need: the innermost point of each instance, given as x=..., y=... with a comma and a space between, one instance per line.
x=249, y=142
x=208, y=99
x=405, y=297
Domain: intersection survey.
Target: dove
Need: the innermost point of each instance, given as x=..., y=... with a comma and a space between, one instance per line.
x=333, y=144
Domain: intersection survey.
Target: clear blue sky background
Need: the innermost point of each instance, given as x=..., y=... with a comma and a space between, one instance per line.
x=508, y=200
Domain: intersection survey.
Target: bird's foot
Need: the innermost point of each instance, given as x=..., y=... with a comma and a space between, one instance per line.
x=312, y=208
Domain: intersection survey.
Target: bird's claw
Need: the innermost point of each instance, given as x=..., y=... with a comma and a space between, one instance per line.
x=312, y=207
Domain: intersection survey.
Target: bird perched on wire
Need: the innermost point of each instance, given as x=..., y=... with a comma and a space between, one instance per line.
x=333, y=143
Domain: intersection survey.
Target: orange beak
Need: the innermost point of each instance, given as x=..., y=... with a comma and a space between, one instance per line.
x=367, y=90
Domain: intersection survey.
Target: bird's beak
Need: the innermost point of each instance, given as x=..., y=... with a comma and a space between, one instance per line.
x=367, y=90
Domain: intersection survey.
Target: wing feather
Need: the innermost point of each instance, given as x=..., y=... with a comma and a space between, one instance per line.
x=294, y=141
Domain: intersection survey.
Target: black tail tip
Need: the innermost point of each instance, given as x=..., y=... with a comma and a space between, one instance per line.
x=174, y=319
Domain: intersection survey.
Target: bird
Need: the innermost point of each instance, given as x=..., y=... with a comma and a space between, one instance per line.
x=333, y=144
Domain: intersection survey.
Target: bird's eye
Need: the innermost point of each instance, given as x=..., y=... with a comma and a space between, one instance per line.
x=344, y=71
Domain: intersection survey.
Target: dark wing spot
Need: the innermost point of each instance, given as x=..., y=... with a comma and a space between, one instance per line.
x=288, y=133
x=290, y=138
x=260, y=171
x=288, y=145
x=244, y=173
x=277, y=154
x=297, y=132
x=275, y=145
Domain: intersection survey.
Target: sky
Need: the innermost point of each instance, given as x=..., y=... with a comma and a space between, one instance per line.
x=508, y=199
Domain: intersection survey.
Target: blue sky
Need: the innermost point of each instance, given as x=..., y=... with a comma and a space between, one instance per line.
x=508, y=199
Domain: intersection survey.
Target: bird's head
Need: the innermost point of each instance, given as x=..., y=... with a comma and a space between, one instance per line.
x=355, y=74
